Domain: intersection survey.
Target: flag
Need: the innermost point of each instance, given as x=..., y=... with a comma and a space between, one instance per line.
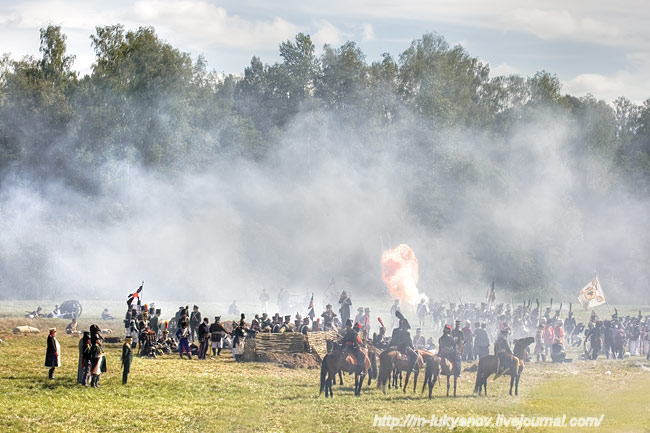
x=311, y=313
x=491, y=295
x=134, y=295
x=592, y=295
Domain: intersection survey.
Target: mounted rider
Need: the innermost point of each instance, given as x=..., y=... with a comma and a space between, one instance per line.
x=447, y=349
x=352, y=343
x=401, y=340
x=505, y=357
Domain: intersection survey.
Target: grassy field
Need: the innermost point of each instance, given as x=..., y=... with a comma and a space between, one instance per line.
x=220, y=395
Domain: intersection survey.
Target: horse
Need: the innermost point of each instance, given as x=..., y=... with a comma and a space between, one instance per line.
x=437, y=366
x=423, y=357
x=392, y=363
x=488, y=366
x=370, y=350
x=337, y=361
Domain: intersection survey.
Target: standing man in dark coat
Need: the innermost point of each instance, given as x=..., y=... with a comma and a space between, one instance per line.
x=127, y=359
x=195, y=321
x=344, y=309
x=97, y=359
x=154, y=323
x=217, y=332
x=53, y=353
x=83, y=368
x=204, y=338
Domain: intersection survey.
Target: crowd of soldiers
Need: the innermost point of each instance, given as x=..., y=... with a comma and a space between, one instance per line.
x=475, y=328
x=472, y=327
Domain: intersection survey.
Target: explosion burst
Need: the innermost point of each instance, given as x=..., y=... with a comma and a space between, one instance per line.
x=400, y=273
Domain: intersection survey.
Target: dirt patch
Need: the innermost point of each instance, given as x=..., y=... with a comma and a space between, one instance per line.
x=290, y=360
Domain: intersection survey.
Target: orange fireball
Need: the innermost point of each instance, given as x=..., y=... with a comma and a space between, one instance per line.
x=400, y=273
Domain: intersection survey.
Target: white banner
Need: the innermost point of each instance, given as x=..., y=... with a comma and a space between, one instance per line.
x=592, y=295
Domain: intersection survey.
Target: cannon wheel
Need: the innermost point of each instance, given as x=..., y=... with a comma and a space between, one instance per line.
x=72, y=307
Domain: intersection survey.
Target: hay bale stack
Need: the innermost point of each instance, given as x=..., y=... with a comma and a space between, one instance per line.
x=287, y=342
x=318, y=341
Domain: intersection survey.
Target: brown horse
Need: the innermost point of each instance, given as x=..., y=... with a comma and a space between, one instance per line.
x=437, y=366
x=339, y=360
x=369, y=349
x=391, y=364
x=488, y=365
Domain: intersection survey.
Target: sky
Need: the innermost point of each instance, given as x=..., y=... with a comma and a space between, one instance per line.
x=598, y=47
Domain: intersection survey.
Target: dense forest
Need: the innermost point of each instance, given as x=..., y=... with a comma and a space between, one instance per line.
x=296, y=172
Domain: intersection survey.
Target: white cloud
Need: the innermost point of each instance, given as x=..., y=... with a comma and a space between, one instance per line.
x=327, y=33
x=631, y=82
x=503, y=69
x=555, y=24
x=367, y=32
x=205, y=24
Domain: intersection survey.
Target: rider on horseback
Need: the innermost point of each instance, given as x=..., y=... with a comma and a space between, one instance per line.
x=504, y=353
x=352, y=343
x=447, y=349
x=401, y=340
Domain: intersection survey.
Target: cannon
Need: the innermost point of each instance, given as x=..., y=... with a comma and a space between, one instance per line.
x=71, y=309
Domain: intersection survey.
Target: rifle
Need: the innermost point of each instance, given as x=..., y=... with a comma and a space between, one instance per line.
x=551, y=305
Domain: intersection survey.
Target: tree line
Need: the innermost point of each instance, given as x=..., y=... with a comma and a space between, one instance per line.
x=145, y=101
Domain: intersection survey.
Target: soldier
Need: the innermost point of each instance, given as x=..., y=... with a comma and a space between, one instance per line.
x=277, y=324
x=304, y=328
x=539, y=343
x=53, y=353
x=286, y=326
x=264, y=299
x=504, y=353
x=195, y=321
x=379, y=340
x=594, y=338
x=359, y=317
x=127, y=359
x=266, y=323
x=401, y=340
x=97, y=359
x=134, y=331
x=422, y=310
x=344, y=309
x=83, y=366
x=569, y=326
x=204, y=338
x=447, y=349
x=468, y=338
x=459, y=339
x=328, y=316
x=217, y=331
x=183, y=336
x=352, y=344
x=481, y=340
x=154, y=323
x=365, y=322
x=233, y=309
x=393, y=313
x=419, y=342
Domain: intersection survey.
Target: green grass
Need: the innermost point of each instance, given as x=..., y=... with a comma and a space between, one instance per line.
x=220, y=395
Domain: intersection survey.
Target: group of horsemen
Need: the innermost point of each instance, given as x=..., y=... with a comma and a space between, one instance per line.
x=450, y=344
